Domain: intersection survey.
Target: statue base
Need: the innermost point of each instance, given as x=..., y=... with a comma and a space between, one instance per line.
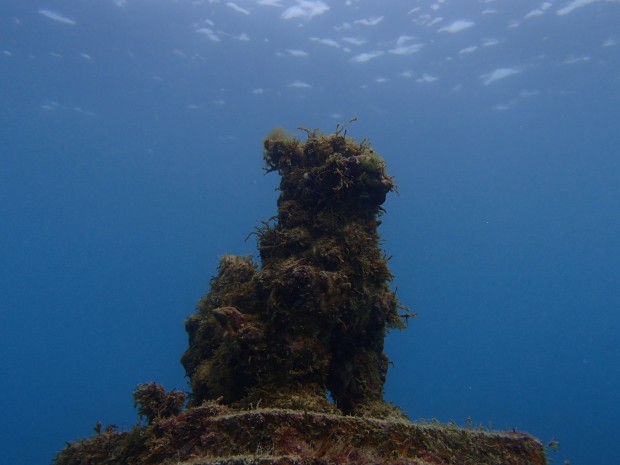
x=212, y=434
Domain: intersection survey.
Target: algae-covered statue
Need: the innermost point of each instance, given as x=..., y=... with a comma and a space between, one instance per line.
x=313, y=317
x=269, y=342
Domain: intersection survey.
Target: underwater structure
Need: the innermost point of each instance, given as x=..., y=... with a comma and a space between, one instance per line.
x=285, y=358
x=312, y=318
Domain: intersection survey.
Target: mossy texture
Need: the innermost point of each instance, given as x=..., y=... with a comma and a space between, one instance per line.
x=214, y=434
x=313, y=317
x=269, y=341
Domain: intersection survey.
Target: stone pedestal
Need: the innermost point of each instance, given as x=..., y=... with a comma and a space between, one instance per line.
x=213, y=434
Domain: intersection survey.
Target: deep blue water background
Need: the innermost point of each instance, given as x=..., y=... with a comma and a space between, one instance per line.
x=130, y=160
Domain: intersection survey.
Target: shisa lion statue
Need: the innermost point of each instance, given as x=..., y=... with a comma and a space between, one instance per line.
x=308, y=322
x=312, y=318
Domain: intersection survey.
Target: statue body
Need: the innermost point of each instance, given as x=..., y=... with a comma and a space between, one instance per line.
x=312, y=318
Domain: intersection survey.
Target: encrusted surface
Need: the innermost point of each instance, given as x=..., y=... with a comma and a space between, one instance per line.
x=309, y=319
x=216, y=435
x=312, y=316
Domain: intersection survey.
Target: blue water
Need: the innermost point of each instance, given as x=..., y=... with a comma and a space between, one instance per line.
x=130, y=160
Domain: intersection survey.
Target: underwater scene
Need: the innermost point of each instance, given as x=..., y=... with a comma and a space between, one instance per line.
x=453, y=165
